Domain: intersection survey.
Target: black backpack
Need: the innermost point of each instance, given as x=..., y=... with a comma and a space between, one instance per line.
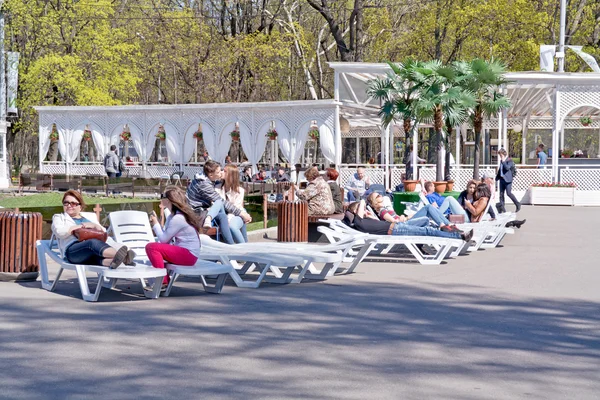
x=513, y=169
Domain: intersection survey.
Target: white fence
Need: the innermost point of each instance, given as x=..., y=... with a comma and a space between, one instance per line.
x=586, y=177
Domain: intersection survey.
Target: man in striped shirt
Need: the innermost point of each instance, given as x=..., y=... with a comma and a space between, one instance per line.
x=202, y=196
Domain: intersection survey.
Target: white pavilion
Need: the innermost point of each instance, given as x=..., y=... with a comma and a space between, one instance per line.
x=547, y=103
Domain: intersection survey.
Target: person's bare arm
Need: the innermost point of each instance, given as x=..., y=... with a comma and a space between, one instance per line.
x=478, y=207
x=361, y=209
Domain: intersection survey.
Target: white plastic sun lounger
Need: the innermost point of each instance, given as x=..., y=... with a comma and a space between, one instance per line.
x=133, y=229
x=443, y=246
x=332, y=256
x=106, y=277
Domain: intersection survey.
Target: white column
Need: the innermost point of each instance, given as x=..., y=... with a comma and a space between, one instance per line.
x=555, y=134
x=357, y=150
x=337, y=136
x=4, y=172
x=524, y=147
x=562, y=137
x=505, y=128
x=457, y=143
x=484, y=149
x=500, y=135
x=415, y=138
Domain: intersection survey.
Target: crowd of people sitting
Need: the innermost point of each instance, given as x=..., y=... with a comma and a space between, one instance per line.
x=216, y=198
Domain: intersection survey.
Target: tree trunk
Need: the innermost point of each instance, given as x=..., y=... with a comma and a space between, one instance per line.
x=477, y=125
x=53, y=151
x=408, y=139
x=438, y=121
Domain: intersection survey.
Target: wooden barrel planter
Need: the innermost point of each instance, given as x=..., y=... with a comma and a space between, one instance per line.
x=292, y=221
x=18, y=234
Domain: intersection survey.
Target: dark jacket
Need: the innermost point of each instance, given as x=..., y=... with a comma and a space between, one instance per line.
x=336, y=193
x=282, y=178
x=201, y=194
x=506, y=167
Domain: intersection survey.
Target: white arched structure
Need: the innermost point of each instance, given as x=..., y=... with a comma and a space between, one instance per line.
x=540, y=101
x=180, y=122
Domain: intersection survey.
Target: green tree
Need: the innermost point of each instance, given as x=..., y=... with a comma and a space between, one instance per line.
x=397, y=92
x=483, y=78
x=440, y=100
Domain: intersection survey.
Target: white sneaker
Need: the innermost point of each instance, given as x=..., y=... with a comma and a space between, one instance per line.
x=208, y=222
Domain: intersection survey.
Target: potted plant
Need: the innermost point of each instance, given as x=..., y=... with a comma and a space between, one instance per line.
x=272, y=134
x=87, y=135
x=566, y=153
x=585, y=120
x=235, y=134
x=449, y=185
x=198, y=135
x=125, y=136
x=410, y=185
x=549, y=193
x=313, y=133
x=440, y=186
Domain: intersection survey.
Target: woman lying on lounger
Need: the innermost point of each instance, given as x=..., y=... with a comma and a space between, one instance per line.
x=182, y=226
x=90, y=251
x=357, y=218
x=420, y=218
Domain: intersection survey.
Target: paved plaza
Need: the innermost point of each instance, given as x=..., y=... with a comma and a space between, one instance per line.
x=521, y=321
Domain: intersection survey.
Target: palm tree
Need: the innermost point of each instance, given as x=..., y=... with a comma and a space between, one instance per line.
x=441, y=100
x=397, y=93
x=483, y=78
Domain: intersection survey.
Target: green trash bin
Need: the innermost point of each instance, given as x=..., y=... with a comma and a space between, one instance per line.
x=400, y=197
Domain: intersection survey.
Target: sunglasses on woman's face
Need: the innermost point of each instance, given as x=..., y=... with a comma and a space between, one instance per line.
x=70, y=203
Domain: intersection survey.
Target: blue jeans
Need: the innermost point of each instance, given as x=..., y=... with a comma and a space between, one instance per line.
x=419, y=221
x=88, y=252
x=218, y=215
x=454, y=206
x=238, y=230
x=352, y=197
x=401, y=229
x=432, y=213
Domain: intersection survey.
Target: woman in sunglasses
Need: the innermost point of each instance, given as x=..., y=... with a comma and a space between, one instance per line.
x=90, y=251
x=178, y=243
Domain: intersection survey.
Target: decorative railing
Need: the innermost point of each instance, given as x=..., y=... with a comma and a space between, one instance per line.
x=586, y=179
x=375, y=173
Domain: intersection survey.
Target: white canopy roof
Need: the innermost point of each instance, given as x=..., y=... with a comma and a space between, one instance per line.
x=531, y=93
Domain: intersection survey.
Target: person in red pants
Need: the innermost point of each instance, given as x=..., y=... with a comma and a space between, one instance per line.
x=179, y=242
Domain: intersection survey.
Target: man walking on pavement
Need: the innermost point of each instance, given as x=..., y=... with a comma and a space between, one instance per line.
x=506, y=173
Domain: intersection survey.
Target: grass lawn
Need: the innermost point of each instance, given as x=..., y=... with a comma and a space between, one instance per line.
x=256, y=225
x=54, y=199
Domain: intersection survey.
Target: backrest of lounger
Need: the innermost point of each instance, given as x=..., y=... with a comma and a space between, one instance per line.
x=132, y=229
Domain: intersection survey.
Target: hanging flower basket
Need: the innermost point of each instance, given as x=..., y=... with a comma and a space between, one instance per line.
x=54, y=136
x=585, y=121
x=125, y=136
x=198, y=135
x=87, y=135
x=272, y=134
x=313, y=133
x=161, y=136
x=235, y=135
